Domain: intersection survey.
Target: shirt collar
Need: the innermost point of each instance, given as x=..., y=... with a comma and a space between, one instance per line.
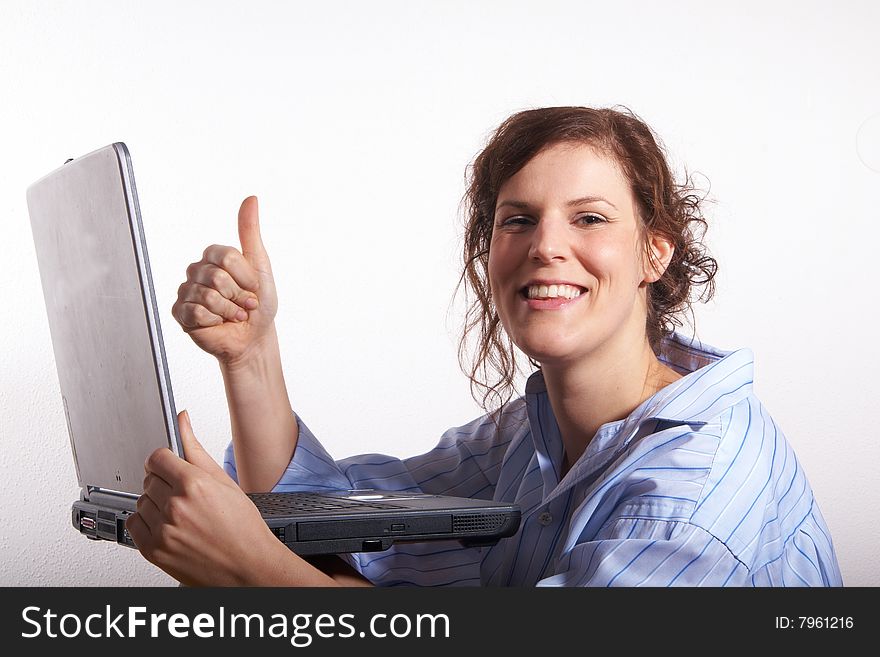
x=712, y=380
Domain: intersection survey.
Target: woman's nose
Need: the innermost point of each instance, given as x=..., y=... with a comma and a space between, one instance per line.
x=548, y=241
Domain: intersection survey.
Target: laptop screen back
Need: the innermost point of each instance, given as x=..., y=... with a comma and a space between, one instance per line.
x=102, y=318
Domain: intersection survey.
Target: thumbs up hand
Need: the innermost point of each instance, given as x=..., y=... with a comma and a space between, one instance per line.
x=228, y=302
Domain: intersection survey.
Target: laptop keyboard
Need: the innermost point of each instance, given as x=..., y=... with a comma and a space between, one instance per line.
x=292, y=503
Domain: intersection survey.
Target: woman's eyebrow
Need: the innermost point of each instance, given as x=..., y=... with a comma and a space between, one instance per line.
x=590, y=199
x=522, y=205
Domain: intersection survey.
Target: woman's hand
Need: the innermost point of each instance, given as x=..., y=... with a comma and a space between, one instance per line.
x=228, y=302
x=196, y=524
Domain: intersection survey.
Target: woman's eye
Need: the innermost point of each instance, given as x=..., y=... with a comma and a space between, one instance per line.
x=521, y=220
x=515, y=221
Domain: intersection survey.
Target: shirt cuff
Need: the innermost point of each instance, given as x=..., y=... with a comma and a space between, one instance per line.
x=310, y=469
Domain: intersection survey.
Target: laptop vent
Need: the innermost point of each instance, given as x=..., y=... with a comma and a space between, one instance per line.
x=477, y=523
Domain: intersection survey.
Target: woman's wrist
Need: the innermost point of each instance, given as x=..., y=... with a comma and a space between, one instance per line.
x=264, y=429
x=277, y=565
x=257, y=362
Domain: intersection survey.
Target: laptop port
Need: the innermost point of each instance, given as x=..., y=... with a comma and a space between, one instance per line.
x=87, y=523
x=122, y=535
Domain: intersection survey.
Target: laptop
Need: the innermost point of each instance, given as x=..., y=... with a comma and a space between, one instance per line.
x=116, y=390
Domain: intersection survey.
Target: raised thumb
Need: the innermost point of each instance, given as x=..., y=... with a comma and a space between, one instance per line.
x=249, y=234
x=193, y=450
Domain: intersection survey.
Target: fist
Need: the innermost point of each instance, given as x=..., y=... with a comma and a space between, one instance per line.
x=227, y=303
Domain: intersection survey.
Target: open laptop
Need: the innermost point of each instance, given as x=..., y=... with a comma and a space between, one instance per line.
x=116, y=390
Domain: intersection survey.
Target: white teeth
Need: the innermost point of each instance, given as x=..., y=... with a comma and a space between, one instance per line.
x=552, y=291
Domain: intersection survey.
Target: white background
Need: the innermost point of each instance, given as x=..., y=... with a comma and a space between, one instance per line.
x=353, y=122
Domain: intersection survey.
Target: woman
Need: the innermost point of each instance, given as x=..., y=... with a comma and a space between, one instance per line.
x=638, y=457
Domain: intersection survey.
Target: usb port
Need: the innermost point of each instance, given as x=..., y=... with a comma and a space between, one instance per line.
x=87, y=523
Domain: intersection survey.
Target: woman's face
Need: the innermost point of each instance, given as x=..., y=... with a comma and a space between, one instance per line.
x=566, y=261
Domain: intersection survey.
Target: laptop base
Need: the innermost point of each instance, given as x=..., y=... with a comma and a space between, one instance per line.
x=103, y=516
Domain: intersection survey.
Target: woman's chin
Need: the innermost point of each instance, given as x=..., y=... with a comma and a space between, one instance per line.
x=551, y=353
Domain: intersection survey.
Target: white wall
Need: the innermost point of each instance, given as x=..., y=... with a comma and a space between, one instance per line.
x=353, y=123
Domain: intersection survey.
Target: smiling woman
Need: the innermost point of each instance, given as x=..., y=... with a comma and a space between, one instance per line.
x=598, y=321
x=629, y=161
x=638, y=456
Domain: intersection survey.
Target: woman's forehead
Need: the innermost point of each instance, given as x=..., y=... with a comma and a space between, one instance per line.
x=574, y=170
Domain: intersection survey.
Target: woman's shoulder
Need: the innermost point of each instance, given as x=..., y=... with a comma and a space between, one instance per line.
x=712, y=383
x=502, y=424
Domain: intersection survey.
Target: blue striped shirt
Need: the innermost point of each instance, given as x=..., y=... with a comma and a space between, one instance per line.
x=696, y=487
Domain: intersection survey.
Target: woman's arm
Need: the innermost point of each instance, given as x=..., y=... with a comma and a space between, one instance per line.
x=335, y=568
x=227, y=305
x=264, y=429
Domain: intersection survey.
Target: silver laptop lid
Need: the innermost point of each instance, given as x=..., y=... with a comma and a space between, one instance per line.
x=103, y=318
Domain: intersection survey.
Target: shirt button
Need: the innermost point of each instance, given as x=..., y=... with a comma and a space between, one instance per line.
x=545, y=518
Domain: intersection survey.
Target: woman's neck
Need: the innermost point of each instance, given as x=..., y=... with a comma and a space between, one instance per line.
x=604, y=387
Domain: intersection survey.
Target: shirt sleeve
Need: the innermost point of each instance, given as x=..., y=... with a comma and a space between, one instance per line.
x=807, y=558
x=310, y=469
x=639, y=552
x=465, y=463
x=652, y=552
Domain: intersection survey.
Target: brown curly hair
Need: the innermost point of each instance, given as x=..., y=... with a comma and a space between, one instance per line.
x=666, y=208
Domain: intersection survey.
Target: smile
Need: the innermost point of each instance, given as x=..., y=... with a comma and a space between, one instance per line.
x=551, y=297
x=552, y=291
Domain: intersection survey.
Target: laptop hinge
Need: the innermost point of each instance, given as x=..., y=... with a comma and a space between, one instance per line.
x=98, y=495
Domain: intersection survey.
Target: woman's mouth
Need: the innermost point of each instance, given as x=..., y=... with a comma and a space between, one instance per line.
x=551, y=297
x=552, y=291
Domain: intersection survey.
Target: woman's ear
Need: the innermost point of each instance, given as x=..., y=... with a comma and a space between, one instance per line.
x=660, y=250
